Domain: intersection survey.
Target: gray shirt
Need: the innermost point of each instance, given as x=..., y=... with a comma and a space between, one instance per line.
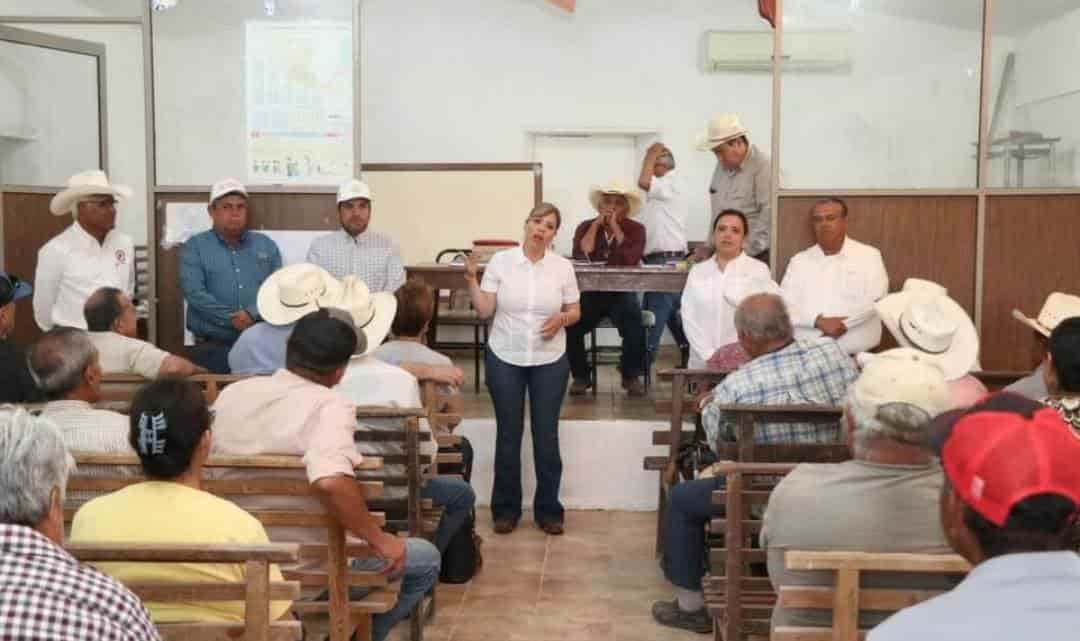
x=749, y=190
x=1015, y=596
x=398, y=352
x=857, y=506
x=1033, y=385
x=370, y=256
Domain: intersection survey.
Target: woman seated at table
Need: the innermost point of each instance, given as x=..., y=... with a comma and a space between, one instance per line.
x=716, y=286
x=170, y=431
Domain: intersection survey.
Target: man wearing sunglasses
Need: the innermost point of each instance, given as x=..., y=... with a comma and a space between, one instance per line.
x=89, y=254
x=16, y=386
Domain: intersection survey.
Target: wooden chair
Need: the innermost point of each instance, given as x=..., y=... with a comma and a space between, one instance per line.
x=442, y=424
x=846, y=598
x=460, y=315
x=323, y=566
x=747, y=417
x=256, y=591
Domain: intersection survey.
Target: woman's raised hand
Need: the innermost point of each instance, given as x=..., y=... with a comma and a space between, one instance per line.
x=471, y=268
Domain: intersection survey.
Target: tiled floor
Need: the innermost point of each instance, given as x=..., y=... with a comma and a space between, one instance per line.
x=597, y=582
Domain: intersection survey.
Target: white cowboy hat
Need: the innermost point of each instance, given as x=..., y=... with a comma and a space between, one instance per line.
x=720, y=129
x=1058, y=307
x=372, y=313
x=922, y=316
x=354, y=189
x=295, y=291
x=83, y=184
x=633, y=197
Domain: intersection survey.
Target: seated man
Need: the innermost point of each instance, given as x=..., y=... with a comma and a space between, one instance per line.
x=1009, y=506
x=783, y=371
x=113, y=323
x=66, y=366
x=356, y=250
x=297, y=412
x=1057, y=307
x=1063, y=371
x=44, y=592
x=884, y=500
x=832, y=286
x=16, y=384
x=611, y=238
x=170, y=430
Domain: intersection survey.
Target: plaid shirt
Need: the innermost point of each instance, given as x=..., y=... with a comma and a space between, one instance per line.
x=371, y=257
x=46, y=594
x=807, y=372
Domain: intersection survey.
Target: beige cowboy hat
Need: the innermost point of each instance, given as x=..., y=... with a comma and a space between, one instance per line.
x=633, y=197
x=720, y=129
x=1058, y=307
x=372, y=313
x=83, y=184
x=922, y=316
x=295, y=291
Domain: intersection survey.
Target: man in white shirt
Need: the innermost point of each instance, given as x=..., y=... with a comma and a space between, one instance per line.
x=356, y=250
x=87, y=255
x=664, y=216
x=832, y=286
x=113, y=324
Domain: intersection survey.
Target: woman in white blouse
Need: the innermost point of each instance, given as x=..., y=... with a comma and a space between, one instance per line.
x=533, y=295
x=715, y=287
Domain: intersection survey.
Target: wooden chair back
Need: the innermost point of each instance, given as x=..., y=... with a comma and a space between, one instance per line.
x=257, y=591
x=846, y=598
x=434, y=397
x=122, y=387
x=323, y=566
x=749, y=417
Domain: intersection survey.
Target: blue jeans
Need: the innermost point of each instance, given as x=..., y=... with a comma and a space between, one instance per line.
x=546, y=385
x=456, y=498
x=665, y=306
x=422, y=564
x=689, y=508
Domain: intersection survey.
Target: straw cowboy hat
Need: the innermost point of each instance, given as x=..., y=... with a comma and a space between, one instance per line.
x=294, y=291
x=922, y=316
x=1058, y=307
x=720, y=129
x=372, y=313
x=633, y=197
x=81, y=185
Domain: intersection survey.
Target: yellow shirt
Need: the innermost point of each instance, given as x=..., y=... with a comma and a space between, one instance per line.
x=165, y=512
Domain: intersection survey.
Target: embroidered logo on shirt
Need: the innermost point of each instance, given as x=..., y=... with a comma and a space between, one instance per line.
x=121, y=256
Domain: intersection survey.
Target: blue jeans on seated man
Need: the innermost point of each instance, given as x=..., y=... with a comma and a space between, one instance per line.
x=456, y=498
x=689, y=508
x=665, y=306
x=422, y=563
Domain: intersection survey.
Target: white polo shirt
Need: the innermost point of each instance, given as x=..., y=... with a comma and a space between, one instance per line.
x=844, y=284
x=526, y=295
x=71, y=266
x=664, y=214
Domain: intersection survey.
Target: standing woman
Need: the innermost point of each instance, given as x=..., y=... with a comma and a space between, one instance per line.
x=533, y=295
x=716, y=286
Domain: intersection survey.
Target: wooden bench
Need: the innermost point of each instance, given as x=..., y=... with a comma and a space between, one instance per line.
x=122, y=387
x=846, y=598
x=323, y=566
x=257, y=591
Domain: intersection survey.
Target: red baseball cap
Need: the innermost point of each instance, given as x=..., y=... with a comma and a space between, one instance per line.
x=1004, y=450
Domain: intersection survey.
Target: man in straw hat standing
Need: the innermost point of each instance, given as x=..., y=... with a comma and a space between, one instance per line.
x=610, y=238
x=1058, y=307
x=87, y=255
x=742, y=181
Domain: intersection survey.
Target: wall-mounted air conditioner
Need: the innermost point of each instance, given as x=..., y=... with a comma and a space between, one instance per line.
x=753, y=50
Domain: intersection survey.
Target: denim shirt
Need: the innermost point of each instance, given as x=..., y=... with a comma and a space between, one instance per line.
x=218, y=280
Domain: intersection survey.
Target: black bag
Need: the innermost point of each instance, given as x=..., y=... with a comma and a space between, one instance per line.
x=695, y=454
x=462, y=559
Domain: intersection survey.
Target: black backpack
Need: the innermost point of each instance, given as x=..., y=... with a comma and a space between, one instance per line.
x=462, y=559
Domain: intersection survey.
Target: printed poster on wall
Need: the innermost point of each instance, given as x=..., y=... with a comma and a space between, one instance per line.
x=299, y=102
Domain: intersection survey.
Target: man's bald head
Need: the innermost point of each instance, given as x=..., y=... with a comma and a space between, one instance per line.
x=763, y=323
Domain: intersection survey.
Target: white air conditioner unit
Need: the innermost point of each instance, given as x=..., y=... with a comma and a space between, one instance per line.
x=753, y=50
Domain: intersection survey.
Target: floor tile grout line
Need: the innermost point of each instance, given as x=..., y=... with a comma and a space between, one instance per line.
x=543, y=571
x=461, y=608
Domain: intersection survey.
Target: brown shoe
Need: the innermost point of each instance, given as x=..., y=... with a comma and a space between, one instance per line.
x=633, y=386
x=505, y=526
x=552, y=528
x=578, y=387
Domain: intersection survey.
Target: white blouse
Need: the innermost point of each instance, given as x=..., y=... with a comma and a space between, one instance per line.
x=710, y=298
x=526, y=295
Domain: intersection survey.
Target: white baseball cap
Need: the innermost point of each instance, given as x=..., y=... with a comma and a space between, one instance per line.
x=354, y=189
x=226, y=187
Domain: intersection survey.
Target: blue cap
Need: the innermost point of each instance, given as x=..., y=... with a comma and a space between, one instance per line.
x=12, y=289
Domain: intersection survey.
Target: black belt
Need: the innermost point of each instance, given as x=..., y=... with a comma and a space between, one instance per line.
x=667, y=254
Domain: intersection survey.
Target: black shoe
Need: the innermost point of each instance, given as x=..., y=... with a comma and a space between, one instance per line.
x=505, y=526
x=668, y=613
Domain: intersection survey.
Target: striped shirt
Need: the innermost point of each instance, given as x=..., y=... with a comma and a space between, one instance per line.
x=219, y=280
x=811, y=372
x=370, y=256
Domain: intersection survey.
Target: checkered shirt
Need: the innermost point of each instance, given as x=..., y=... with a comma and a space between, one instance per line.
x=371, y=257
x=45, y=595
x=806, y=372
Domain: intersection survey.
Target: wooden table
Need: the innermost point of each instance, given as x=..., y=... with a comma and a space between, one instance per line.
x=591, y=278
